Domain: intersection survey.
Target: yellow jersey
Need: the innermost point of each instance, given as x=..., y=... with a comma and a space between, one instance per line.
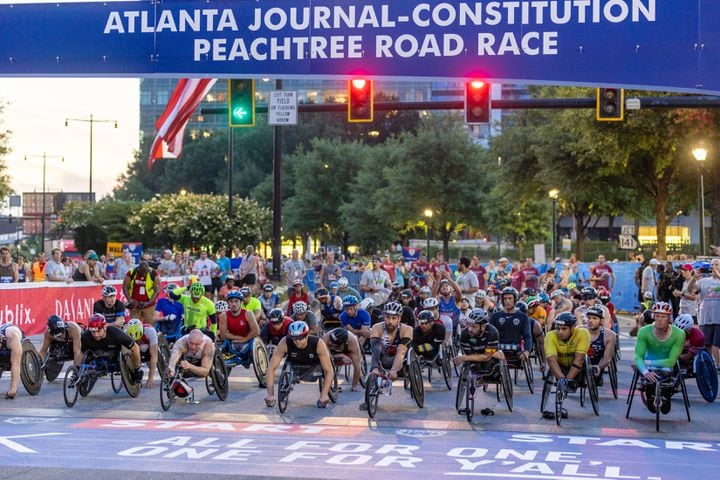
x=579, y=342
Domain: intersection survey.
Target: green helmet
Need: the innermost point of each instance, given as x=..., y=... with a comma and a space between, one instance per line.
x=197, y=289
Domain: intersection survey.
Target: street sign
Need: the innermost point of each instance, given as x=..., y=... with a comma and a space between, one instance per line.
x=632, y=104
x=283, y=108
x=627, y=242
x=627, y=230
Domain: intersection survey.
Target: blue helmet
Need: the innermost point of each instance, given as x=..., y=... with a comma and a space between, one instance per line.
x=350, y=300
x=234, y=294
x=298, y=329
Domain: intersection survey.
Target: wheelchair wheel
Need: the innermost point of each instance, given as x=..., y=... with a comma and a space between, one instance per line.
x=285, y=386
x=70, y=387
x=657, y=400
x=417, y=389
x=166, y=393
x=591, y=386
x=613, y=374
x=631, y=392
x=30, y=368
x=453, y=353
x=86, y=386
x=51, y=368
x=470, y=399
x=706, y=375
x=260, y=361
x=445, y=363
x=126, y=369
x=461, y=388
x=529, y=376
x=116, y=381
x=545, y=396
x=219, y=374
x=363, y=368
x=506, y=385
x=333, y=393
x=371, y=394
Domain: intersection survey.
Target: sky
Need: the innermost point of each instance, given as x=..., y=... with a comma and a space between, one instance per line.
x=34, y=112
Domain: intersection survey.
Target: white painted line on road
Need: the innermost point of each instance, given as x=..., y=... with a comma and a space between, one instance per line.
x=22, y=448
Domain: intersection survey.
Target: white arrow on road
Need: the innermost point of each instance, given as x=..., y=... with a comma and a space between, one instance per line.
x=22, y=448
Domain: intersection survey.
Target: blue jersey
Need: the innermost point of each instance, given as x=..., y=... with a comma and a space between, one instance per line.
x=166, y=307
x=357, y=322
x=449, y=309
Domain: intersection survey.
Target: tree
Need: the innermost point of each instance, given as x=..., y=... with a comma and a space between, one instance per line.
x=95, y=224
x=5, y=188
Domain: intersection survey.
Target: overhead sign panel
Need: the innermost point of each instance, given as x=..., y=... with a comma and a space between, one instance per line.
x=670, y=45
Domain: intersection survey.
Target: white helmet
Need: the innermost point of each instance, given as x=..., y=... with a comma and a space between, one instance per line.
x=431, y=302
x=343, y=282
x=684, y=322
x=367, y=303
x=221, y=306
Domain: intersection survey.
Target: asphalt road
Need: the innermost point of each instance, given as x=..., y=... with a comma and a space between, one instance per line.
x=107, y=435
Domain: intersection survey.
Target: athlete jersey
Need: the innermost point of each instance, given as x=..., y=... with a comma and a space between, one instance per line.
x=487, y=342
x=449, y=309
x=514, y=329
x=269, y=303
x=196, y=313
x=597, y=347
x=361, y=319
x=303, y=356
x=539, y=314
x=579, y=342
x=329, y=314
x=237, y=325
x=111, y=343
x=110, y=313
x=149, y=338
x=271, y=335
x=253, y=305
x=651, y=352
x=428, y=343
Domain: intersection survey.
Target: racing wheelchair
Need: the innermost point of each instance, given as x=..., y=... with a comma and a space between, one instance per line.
x=471, y=377
x=376, y=385
x=667, y=386
x=704, y=371
x=118, y=365
x=291, y=375
x=442, y=362
x=30, y=366
x=58, y=353
x=253, y=353
x=517, y=362
x=216, y=382
x=585, y=382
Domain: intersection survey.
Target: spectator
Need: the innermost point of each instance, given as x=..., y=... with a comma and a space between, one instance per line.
x=8, y=268
x=22, y=269
x=601, y=274
x=123, y=265
x=248, y=273
x=649, y=278
x=294, y=269
x=55, y=269
x=167, y=267
x=576, y=276
x=110, y=267
x=479, y=271
x=38, y=268
x=687, y=297
x=708, y=289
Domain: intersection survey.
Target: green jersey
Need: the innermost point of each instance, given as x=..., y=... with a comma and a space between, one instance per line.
x=196, y=313
x=651, y=352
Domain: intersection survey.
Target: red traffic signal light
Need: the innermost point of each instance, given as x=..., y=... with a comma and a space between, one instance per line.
x=360, y=100
x=477, y=102
x=610, y=105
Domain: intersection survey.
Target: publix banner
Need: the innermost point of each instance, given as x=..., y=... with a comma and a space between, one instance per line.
x=660, y=44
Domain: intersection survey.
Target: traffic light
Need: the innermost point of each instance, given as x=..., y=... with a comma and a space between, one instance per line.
x=610, y=106
x=241, y=102
x=360, y=100
x=477, y=102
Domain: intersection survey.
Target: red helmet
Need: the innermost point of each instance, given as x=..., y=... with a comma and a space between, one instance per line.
x=604, y=294
x=97, y=321
x=662, y=307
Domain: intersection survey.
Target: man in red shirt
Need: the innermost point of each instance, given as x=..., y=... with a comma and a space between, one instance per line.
x=141, y=287
x=479, y=272
x=601, y=273
x=419, y=271
x=439, y=267
x=530, y=275
x=389, y=267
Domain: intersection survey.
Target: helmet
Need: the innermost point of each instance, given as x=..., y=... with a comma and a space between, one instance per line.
x=566, y=319
x=97, y=321
x=396, y=285
x=169, y=287
x=596, y=311
x=431, y=302
x=109, y=291
x=276, y=315
x=521, y=306
x=532, y=302
x=662, y=307
x=221, y=306
x=350, y=300
x=55, y=325
x=181, y=389
x=367, y=303
x=509, y=291
x=339, y=336
x=588, y=293
x=529, y=292
x=684, y=321
x=321, y=292
x=135, y=329
x=425, y=289
x=342, y=283
x=425, y=316
x=557, y=293
x=268, y=287
x=544, y=297
x=246, y=292
x=334, y=285
x=300, y=307
x=298, y=329
x=648, y=295
x=604, y=294
x=197, y=290
x=234, y=294
x=392, y=308
x=407, y=293
x=478, y=316
x=480, y=295
x=503, y=283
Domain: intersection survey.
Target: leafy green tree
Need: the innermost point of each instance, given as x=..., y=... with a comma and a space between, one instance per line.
x=5, y=188
x=95, y=224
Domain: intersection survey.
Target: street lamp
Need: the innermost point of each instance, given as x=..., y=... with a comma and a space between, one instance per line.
x=700, y=154
x=554, y=193
x=44, y=156
x=91, y=121
x=428, y=215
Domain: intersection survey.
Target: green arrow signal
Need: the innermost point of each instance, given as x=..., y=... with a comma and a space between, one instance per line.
x=239, y=112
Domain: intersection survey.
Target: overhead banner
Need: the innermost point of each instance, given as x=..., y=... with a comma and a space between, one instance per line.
x=649, y=44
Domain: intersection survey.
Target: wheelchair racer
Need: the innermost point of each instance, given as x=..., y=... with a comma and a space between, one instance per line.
x=309, y=357
x=239, y=326
x=657, y=351
x=355, y=319
x=63, y=332
x=565, y=350
x=331, y=306
x=602, y=342
x=146, y=338
x=301, y=313
x=345, y=350
x=105, y=341
x=428, y=336
x=11, y=340
x=276, y=328
x=389, y=341
x=194, y=352
x=110, y=307
x=199, y=310
x=694, y=340
x=479, y=343
x=513, y=326
x=169, y=312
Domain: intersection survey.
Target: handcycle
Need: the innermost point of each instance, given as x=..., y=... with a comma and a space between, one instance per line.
x=442, y=362
x=291, y=375
x=254, y=352
x=117, y=365
x=585, y=382
x=30, y=366
x=673, y=383
x=704, y=370
x=471, y=377
x=216, y=381
x=375, y=384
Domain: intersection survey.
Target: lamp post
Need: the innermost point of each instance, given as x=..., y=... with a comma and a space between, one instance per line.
x=700, y=154
x=554, y=195
x=44, y=157
x=428, y=215
x=91, y=121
